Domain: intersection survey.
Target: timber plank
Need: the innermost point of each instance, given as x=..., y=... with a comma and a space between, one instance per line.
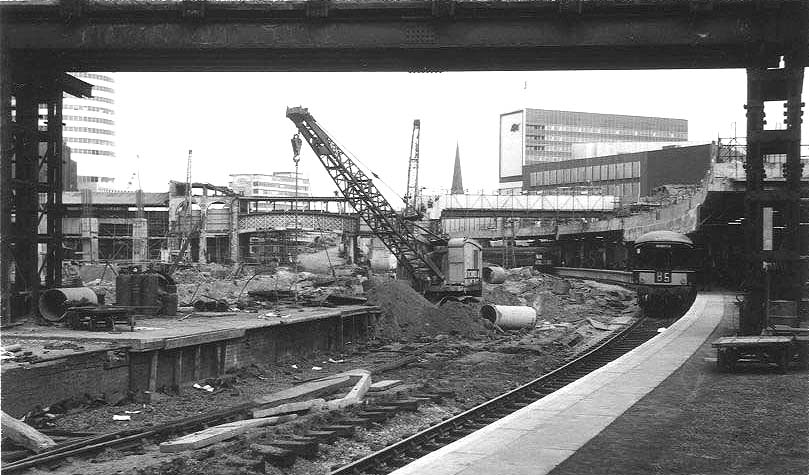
x=219, y=433
x=310, y=390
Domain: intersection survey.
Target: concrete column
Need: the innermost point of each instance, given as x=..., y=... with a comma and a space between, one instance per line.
x=203, y=234
x=89, y=239
x=140, y=239
x=234, y=231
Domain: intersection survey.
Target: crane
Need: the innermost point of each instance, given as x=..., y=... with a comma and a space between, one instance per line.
x=411, y=197
x=452, y=268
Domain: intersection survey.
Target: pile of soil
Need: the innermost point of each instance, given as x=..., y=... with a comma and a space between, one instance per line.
x=407, y=315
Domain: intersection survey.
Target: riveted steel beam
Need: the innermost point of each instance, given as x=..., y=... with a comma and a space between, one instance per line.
x=408, y=35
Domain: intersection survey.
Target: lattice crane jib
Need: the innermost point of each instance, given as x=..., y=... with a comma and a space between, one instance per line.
x=369, y=202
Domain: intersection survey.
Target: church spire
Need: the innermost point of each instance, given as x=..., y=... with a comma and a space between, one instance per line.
x=457, y=180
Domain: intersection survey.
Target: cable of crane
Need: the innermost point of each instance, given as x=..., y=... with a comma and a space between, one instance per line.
x=366, y=167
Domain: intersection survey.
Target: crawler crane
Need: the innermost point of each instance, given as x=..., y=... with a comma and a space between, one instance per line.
x=438, y=267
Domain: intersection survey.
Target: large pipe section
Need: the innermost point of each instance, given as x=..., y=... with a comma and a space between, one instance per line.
x=52, y=301
x=510, y=317
x=494, y=274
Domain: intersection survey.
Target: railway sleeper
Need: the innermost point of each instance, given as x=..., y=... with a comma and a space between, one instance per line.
x=410, y=405
x=357, y=421
x=437, y=398
x=340, y=430
x=375, y=416
x=273, y=455
x=302, y=448
x=322, y=436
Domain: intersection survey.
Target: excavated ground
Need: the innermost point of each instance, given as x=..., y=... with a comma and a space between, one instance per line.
x=457, y=352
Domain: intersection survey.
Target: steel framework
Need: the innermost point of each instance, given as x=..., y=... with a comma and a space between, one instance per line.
x=777, y=266
x=366, y=199
x=32, y=188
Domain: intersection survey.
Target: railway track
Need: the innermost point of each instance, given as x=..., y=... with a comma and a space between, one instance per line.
x=403, y=452
x=393, y=456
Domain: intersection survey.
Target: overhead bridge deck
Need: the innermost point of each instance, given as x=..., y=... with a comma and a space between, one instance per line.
x=433, y=35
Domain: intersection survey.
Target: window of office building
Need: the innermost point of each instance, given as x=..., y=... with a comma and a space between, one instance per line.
x=636, y=169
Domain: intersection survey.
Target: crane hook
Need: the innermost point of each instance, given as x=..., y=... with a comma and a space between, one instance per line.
x=296, y=147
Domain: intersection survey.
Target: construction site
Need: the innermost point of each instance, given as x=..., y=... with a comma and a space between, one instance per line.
x=626, y=297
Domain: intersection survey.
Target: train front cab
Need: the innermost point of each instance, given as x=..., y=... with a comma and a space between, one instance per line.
x=664, y=270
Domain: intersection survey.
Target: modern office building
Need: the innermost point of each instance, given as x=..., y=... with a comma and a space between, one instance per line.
x=275, y=184
x=530, y=136
x=628, y=176
x=89, y=131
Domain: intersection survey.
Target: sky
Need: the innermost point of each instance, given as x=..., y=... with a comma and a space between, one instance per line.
x=236, y=123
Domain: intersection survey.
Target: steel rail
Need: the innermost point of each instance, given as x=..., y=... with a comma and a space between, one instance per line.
x=472, y=419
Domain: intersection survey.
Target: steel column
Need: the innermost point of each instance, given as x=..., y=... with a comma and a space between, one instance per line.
x=6, y=168
x=774, y=264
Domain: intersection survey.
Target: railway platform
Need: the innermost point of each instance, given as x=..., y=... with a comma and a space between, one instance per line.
x=538, y=438
x=166, y=352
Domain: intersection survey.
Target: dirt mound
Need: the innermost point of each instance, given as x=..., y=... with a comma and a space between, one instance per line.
x=407, y=315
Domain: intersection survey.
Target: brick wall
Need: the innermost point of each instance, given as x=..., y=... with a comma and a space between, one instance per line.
x=96, y=373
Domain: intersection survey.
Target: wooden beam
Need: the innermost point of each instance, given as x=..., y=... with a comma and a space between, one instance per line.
x=25, y=435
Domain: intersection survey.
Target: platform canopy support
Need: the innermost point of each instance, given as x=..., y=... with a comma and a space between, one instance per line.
x=776, y=249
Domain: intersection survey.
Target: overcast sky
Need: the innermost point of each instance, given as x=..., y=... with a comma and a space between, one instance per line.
x=236, y=123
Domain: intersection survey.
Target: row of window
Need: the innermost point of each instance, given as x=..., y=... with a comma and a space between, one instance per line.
x=612, y=171
x=108, y=143
x=102, y=99
x=89, y=130
x=81, y=118
x=104, y=89
x=85, y=151
x=609, y=130
x=625, y=189
x=100, y=77
x=103, y=110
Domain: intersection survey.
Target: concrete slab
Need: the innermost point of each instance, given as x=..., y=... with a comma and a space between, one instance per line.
x=518, y=462
x=566, y=433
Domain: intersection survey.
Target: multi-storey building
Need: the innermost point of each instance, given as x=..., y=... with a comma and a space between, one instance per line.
x=276, y=184
x=89, y=131
x=530, y=136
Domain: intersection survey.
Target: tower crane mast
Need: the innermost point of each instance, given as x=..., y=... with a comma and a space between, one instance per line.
x=411, y=197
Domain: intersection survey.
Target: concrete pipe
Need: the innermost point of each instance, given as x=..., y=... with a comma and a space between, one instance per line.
x=509, y=317
x=52, y=301
x=494, y=274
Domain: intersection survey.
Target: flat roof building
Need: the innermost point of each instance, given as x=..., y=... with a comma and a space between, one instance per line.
x=628, y=176
x=530, y=136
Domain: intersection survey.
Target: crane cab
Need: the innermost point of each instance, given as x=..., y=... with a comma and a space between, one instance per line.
x=461, y=263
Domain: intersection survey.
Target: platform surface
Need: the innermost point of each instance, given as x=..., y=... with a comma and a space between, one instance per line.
x=540, y=436
x=170, y=332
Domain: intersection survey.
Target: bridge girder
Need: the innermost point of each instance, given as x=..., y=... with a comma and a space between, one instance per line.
x=406, y=35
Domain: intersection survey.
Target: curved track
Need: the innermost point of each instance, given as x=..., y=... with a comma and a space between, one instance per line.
x=428, y=440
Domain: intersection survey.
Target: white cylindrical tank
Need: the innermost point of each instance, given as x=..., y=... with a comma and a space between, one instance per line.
x=510, y=317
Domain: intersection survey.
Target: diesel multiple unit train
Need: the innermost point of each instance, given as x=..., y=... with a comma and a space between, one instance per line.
x=664, y=267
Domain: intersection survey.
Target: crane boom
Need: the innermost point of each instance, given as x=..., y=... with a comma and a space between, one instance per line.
x=412, y=194
x=364, y=196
